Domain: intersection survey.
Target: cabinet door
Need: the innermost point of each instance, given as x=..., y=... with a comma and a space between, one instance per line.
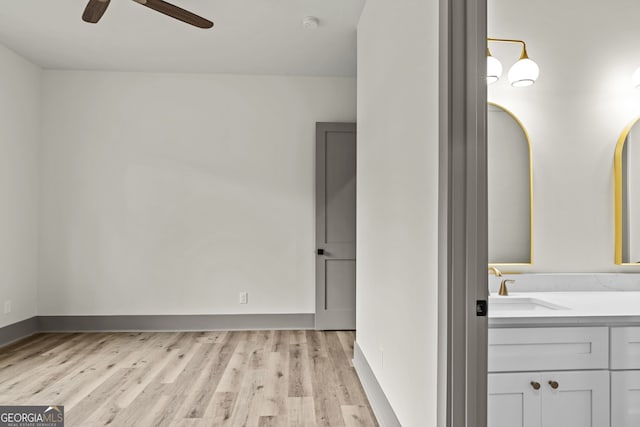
x=625, y=399
x=513, y=401
x=575, y=399
x=625, y=348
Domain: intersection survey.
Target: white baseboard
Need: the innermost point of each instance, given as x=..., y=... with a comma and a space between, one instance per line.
x=377, y=399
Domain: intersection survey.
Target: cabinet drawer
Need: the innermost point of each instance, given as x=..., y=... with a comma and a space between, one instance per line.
x=625, y=399
x=548, y=349
x=625, y=348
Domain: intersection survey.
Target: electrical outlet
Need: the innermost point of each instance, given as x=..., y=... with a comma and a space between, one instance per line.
x=244, y=297
x=7, y=307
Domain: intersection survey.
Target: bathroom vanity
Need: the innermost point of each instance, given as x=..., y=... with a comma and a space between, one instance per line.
x=564, y=359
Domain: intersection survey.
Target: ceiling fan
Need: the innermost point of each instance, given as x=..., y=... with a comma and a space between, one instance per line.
x=96, y=8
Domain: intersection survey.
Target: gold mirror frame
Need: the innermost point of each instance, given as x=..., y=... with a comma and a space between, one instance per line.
x=526, y=135
x=617, y=178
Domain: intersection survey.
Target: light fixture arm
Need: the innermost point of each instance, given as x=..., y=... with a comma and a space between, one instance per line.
x=524, y=45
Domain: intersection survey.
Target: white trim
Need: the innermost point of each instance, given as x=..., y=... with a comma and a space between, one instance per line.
x=377, y=399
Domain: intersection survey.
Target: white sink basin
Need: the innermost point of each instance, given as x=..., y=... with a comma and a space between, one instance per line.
x=498, y=304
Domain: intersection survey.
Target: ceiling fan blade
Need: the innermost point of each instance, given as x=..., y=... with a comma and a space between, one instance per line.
x=176, y=12
x=94, y=10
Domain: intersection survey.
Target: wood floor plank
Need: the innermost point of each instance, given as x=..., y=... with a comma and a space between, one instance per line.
x=345, y=377
x=276, y=379
x=270, y=421
x=347, y=340
x=249, y=398
x=212, y=337
x=31, y=345
x=207, y=383
x=301, y=412
x=181, y=389
x=144, y=409
x=81, y=414
x=133, y=384
x=183, y=358
x=221, y=379
x=358, y=416
x=299, y=371
x=192, y=394
x=144, y=416
x=33, y=358
x=281, y=340
x=155, y=363
x=264, y=339
x=232, y=378
x=317, y=344
x=298, y=337
x=221, y=408
x=63, y=368
x=55, y=362
x=91, y=377
x=86, y=376
x=326, y=399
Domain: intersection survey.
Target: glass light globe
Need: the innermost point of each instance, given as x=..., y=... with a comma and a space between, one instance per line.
x=523, y=73
x=635, y=79
x=494, y=69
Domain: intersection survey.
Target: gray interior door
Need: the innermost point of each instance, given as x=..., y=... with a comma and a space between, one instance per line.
x=336, y=226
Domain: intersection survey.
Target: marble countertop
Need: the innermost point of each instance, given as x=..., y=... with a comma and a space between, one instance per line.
x=617, y=308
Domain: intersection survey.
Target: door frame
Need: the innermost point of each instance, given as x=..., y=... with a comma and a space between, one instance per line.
x=463, y=222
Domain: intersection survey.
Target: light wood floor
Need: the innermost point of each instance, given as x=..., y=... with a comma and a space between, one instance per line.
x=260, y=379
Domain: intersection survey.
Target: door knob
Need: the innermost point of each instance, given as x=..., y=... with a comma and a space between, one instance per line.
x=554, y=385
x=535, y=385
x=320, y=251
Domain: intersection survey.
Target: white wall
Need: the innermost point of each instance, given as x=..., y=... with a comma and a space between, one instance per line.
x=574, y=113
x=170, y=194
x=19, y=132
x=398, y=202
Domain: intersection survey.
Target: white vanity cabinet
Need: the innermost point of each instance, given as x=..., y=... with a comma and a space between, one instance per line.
x=549, y=377
x=513, y=402
x=625, y=377
x=625, y=398
x=581, y=399
x=549, y=399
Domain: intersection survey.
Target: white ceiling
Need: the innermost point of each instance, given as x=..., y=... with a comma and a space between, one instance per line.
x=249, y=36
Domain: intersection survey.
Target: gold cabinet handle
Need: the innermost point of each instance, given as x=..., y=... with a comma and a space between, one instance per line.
x=554, y=384
x=535, y=385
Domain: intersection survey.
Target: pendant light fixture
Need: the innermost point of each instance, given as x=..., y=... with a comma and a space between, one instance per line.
x=523, y=73
x=494, y=68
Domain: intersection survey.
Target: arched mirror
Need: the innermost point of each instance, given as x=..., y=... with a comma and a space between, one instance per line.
x=510, y=189
x=627, y=196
